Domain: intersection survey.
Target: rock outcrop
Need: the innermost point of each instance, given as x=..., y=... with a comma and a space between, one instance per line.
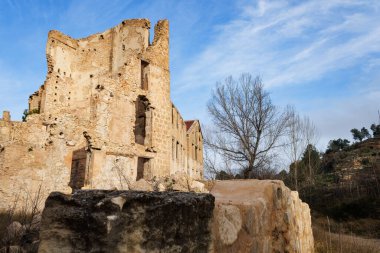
x=248, y=216
x=260, y=216
x=126, y=221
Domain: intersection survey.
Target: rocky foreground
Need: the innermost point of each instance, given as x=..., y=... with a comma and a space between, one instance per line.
x=238, y=216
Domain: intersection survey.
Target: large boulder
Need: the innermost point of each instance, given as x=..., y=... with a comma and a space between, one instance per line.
x=260, y=216
x=248, y=216
x=126, y=221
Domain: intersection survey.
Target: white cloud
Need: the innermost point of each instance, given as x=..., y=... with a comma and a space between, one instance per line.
x=298, y=45
x=288, y=44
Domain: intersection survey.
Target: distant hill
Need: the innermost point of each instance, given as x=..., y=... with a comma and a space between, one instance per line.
x=347, y=188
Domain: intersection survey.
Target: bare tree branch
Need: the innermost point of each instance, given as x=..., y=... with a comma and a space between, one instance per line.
x=247, y=126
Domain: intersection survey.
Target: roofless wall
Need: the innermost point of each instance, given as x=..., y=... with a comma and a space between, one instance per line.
x=102, y=118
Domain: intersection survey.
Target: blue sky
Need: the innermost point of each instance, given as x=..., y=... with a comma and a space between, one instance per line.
x=321, y=56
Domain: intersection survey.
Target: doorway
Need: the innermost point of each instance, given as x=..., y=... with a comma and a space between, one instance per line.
x=78, y=169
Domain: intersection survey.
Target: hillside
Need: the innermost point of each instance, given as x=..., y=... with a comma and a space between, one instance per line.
x=348, y=189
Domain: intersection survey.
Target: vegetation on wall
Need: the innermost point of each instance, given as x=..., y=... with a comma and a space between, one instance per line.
x=27, y=112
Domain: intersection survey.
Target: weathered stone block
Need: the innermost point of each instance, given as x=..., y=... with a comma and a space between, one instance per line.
x=260, y=216
x=126, y=221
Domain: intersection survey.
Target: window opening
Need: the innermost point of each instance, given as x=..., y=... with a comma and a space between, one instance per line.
x=143, y=120
x=142, y=168
x=78, y=169
x=144, y=75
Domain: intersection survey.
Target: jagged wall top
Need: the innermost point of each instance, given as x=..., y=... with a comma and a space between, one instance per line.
x=113, y=53
x=142, y=26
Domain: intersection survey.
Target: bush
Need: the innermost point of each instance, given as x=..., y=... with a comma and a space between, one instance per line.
x=27, y=112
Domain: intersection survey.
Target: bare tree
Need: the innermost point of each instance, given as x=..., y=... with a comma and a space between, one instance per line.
x=121, y=175
x=25, y=210
x=214, y=163
x=302, y=136
x=311, y=136
x=295, y=142
x=247, y=126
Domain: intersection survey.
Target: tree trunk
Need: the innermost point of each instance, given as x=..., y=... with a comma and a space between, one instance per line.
x=296, y=175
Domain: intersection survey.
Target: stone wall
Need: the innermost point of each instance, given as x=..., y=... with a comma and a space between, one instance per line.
x=194, y=149
x=107, y=94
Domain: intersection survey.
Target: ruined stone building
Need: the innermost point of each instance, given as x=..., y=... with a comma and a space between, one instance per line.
x=102, y=118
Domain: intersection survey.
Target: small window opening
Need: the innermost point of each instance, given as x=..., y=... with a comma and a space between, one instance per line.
x=173, y=149
x=143, y=120
x=177, y=150
x=172, y=115
x=144, y=75
x=142, y=168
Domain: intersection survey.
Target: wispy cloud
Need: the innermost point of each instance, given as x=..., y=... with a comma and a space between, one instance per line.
x=299, y=44
x=288, y=44
x=322, y=55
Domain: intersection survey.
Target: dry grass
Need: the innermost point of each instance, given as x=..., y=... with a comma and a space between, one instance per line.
x=19, y=225
x=328, y=242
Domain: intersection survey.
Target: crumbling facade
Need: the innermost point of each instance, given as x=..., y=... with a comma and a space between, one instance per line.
x=103, y=117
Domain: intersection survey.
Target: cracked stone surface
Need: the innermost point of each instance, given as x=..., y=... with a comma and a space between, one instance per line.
x=248, y=216
x=126, y=221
